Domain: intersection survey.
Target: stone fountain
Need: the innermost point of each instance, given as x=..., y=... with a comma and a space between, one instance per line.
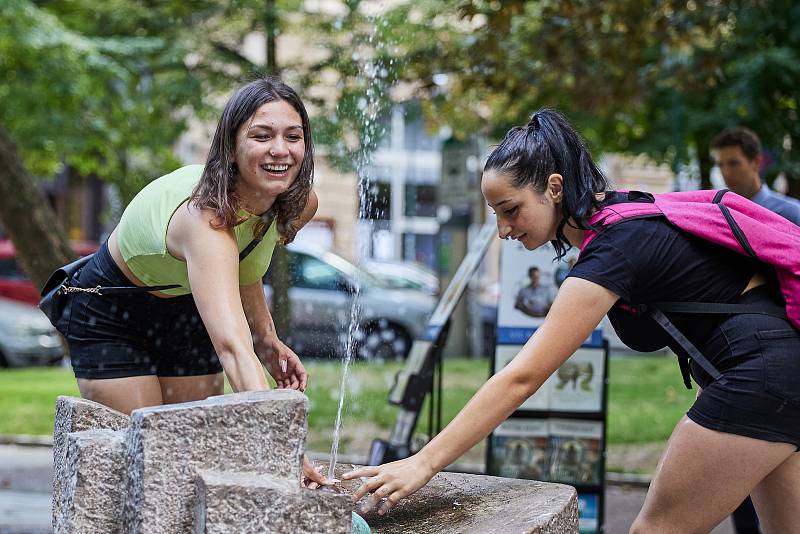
x=232, y=464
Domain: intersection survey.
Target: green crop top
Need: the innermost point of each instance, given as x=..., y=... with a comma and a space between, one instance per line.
x=142, y=234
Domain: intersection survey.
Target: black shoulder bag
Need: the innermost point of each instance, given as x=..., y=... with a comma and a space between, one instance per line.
x=58, y=288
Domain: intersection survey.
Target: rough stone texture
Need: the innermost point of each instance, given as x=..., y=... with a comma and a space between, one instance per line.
x=76, y=415
x=258, y=431
x=248, y=503
x=456, y=502
x=92, y=496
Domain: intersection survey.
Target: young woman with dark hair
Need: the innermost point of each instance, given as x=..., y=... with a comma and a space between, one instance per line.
x=204, y=235
x=741, y=434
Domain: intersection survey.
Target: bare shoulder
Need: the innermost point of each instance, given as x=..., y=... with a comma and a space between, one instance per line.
x=191, y=226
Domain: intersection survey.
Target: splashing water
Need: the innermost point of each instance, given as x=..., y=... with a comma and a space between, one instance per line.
x=375, y=69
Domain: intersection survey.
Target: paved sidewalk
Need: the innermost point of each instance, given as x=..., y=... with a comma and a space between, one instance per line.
x=26, y=474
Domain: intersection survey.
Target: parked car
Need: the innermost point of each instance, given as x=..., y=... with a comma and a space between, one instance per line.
x=27, y=337
x=404, y=275
x=14, y=282
x=323, y=287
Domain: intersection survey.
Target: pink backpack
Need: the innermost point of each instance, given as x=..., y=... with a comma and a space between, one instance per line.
x=724, y=218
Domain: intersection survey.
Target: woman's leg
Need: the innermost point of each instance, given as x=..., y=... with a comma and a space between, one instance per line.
x=777, y=498
x=190, y=388
x=703, y=476
x=123, y=394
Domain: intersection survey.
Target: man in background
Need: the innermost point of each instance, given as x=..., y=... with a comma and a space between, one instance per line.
x=534, y=299
x=738, y=155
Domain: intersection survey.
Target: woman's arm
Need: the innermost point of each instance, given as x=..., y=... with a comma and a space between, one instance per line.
x=212, y=260
x=282, y=363
x=577, y=310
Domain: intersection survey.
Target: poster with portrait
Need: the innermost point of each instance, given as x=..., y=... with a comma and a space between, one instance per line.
x=519, y=449
x=574, y=451
x=577, y=386
x=529, y=282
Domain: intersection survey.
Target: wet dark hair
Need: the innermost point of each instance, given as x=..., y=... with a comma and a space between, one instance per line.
x=547, y=145
x=744, y=138
x=217, y=187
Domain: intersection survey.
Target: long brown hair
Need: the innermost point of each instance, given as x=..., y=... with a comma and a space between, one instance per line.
x=217, y=186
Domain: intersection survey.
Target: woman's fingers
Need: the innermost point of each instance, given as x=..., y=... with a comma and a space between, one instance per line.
x=390, y=501
x=294, y=382
x=366, y=471
x=380, y=493
x=368, y=486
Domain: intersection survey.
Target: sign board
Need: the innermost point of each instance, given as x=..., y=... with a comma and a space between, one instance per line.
x=558, y=434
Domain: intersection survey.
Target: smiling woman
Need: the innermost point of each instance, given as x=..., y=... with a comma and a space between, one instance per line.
x=189, y=252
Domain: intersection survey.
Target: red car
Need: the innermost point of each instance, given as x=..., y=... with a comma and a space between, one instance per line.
x=14, y=283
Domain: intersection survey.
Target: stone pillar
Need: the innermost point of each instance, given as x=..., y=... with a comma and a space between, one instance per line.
x=93, y=491
x=76, y=415
x=248, y=503
x=259, y=431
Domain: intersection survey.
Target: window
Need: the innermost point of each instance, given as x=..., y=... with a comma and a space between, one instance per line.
x=315, y=274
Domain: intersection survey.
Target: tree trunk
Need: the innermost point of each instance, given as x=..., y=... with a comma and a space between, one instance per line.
x=40, y=242
x=705, y=161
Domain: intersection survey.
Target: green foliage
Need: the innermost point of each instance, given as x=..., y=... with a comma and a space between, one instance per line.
x=94, y=98
x=660, y=77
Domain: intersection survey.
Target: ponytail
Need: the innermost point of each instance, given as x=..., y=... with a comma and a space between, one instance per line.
x=547, y=145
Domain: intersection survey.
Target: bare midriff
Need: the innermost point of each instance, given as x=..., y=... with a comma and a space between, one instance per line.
x=755, y=281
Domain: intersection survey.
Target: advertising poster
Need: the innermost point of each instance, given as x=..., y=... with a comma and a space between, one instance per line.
x=574, y=451
x=577, y=386
x=556, y=435
x=519, y=449
x=530, y=282
x=588, y=513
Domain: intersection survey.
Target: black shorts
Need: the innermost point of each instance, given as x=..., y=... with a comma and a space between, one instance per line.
x=137, y=334
x=759, y=356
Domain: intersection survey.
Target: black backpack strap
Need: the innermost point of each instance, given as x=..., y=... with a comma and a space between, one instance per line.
x=688, y=346
x=656, y=311
x=717, y=308
x=249, y=248
x=735, y=228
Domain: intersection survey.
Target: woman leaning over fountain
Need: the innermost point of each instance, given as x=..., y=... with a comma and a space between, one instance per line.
x=187, y=230
x=738, y=438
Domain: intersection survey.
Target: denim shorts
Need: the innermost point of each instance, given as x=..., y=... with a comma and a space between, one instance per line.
x=759, y=357
x=137, y=334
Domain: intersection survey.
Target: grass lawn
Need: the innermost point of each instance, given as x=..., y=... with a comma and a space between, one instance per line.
x=646, y=398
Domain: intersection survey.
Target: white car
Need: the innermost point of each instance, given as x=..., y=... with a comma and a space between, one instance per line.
x=323, y=288
x=404, y=275
x=27, y=337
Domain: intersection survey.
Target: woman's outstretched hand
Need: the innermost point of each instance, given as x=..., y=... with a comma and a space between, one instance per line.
x=390, y=482
x=282, y=363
